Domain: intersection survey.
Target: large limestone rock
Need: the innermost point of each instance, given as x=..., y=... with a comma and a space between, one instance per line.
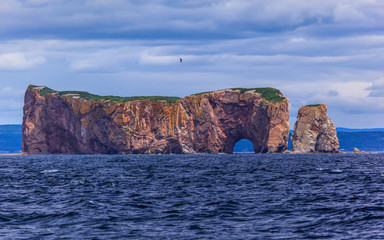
x=314, y=131
x=79, y=122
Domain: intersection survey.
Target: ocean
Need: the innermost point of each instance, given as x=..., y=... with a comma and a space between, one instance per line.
x=234, y=196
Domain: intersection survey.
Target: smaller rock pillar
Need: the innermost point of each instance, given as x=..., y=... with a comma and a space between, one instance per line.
x=314, y=131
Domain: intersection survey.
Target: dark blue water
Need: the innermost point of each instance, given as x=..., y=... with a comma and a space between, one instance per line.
x=239, y=196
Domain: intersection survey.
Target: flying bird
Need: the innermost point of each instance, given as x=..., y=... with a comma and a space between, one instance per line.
x=181, y=60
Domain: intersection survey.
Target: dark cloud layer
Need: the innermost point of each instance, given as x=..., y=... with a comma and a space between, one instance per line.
x=118, y=19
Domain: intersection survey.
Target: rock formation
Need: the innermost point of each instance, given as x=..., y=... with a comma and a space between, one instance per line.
x=356, y=150
x=212, y=122
x=314, y=131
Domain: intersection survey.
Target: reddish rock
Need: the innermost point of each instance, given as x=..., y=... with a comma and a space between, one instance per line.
x=356, y=150
x=314, y=131
x=60, y=122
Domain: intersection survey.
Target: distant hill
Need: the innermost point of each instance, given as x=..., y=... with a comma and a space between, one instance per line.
x=364, y=141
x=340, y=129
x=369, y=140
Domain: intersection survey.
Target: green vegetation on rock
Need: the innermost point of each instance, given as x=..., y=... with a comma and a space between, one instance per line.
x=43, y=90
x=93, y=97
x=268, y=93
x=313, y=105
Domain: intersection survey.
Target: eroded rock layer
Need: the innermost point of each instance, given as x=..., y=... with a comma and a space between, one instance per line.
x=314, y=131
x=78, y=122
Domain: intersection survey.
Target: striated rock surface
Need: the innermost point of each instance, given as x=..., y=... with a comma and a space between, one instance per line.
x=314, y=131
x=79, y=122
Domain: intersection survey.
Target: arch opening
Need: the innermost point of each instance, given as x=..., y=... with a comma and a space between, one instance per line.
x=243, y=146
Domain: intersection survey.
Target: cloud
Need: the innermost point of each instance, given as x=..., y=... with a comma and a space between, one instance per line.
x=10, y=105
x=343, y=97
x=157, y=60
x=377, y=88
x=19, y=61
x=185, y=19
x=333, y=93
x=296, y=40
x=275, y=56
x=10, y=92
x=320, y=51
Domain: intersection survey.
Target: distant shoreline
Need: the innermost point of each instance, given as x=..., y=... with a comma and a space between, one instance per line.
x=197, y=154
x=10, y=154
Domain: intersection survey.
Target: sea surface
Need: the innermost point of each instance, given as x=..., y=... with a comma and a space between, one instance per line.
x=235, y=196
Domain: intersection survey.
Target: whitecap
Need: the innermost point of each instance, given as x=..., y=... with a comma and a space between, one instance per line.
x=50, y=171
x=336, y=171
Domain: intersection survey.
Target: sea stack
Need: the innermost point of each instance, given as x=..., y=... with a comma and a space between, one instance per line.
x=73, y=122
x=314, y=131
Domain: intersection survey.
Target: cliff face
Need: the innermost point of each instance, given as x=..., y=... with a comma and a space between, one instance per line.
x=314, y=131
x=65, y=122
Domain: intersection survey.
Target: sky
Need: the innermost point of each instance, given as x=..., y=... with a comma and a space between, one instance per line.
x=318, y=51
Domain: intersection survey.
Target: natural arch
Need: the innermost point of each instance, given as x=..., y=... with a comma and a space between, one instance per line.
x=256, y=135
x=210, y=122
